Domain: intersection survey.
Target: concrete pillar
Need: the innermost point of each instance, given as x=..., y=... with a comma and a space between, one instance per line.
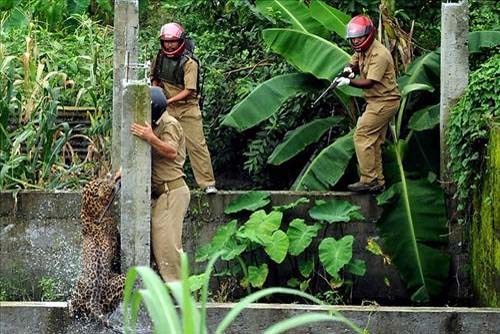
x=126, y=26
x=454, y=80
x=136, y=178
x=454, y=69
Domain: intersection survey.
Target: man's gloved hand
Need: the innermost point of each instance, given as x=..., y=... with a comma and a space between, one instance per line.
x=348, y=72
x=343, y=81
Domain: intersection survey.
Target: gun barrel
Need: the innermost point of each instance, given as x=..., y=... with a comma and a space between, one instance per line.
x=332, y=85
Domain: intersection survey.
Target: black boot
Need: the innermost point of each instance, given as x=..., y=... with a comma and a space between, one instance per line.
x=361, y=187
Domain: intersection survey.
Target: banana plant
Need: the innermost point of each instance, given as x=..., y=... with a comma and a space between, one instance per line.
x=413, y=225
x=303, y=36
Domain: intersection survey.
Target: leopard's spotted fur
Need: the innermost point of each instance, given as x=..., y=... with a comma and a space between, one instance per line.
x=99, y=289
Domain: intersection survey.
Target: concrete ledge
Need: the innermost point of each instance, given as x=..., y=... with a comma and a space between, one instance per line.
x=52, y=318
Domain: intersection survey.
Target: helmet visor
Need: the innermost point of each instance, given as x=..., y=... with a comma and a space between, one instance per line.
x=357, y=30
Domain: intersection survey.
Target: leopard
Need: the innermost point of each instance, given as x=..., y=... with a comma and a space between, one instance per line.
x=99, y=288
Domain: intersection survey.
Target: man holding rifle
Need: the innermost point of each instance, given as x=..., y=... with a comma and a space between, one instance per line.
x=374, y=63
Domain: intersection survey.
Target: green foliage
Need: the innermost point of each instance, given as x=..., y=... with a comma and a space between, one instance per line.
x=468, y=131
x=249, y=201
x=261, y=242
x=297, y=140
x=36, y=79
x=483, y=15
x=335, y=211
x=22, y=288
x=328, y=166
x=161, y=307
x=412, y=238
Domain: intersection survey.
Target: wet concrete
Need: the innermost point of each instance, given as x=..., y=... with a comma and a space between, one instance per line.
x=52, y=318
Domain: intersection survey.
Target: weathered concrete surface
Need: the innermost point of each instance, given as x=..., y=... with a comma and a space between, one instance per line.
x=454, y=69
x=41, y=238
x=135, y=196
x=52, y=318
x=126, y=31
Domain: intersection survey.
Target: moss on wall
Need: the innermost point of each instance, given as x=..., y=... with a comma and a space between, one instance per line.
x=485, y=231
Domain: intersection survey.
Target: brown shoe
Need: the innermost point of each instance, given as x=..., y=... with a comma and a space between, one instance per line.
x=360, y=187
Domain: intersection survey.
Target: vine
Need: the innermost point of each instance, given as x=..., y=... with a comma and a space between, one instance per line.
x=468, y=132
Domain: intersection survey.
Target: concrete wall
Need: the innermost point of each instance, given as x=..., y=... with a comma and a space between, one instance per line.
x=40, y=237
x=485, y=231
x=52, y=318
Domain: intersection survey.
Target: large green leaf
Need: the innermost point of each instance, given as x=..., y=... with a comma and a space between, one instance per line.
x=328, y=167
x=266, y=99
x=423, y=70
x=426, y=68
x=257, y=275
x=425, y=119
x=300, y=235
x=261, y=226
x=483, y=39
x=250, y=201
x=293, y=12
x=332, y=18
x=278, y=247
x=356, y=267
x=294, y=204
x=297, y=140
x=413, y=223
x=335, y=211
x=335, y=254
x=307, y=52
x=306, y=266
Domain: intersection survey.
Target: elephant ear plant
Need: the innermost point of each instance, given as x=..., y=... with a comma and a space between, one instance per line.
x=266, y=243
x=182, y=314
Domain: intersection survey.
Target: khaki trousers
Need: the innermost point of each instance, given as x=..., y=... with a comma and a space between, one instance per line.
x=189, y=115
x=369, y=136
x=167, y=217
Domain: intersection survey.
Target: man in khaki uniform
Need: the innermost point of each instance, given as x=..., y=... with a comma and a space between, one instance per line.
x=374, y=63
x=176, y=71
x=169, y=191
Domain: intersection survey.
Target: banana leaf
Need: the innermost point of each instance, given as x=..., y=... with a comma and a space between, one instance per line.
x=413, y=228
x=266, y=99
x=426, y=69
x=423, y=70
x=483, y=39
x=297, y=140
x=293, y=12
x=425, y=119
x=328, y=167
x=332, y=18
x=307, y=52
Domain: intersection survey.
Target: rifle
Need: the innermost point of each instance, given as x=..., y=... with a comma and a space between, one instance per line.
x=332, y=86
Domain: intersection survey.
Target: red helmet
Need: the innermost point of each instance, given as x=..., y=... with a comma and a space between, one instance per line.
x=173, y=32
x=360, y=26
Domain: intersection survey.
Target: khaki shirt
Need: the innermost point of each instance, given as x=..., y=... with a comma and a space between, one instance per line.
x=377, y=64
x=164, y=170
x=190, y=78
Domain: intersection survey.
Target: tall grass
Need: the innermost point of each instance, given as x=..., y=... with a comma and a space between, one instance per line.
x=50, y=70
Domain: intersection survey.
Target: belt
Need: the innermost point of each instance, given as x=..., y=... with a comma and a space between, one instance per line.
x=177, y=183
x=168, y=186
